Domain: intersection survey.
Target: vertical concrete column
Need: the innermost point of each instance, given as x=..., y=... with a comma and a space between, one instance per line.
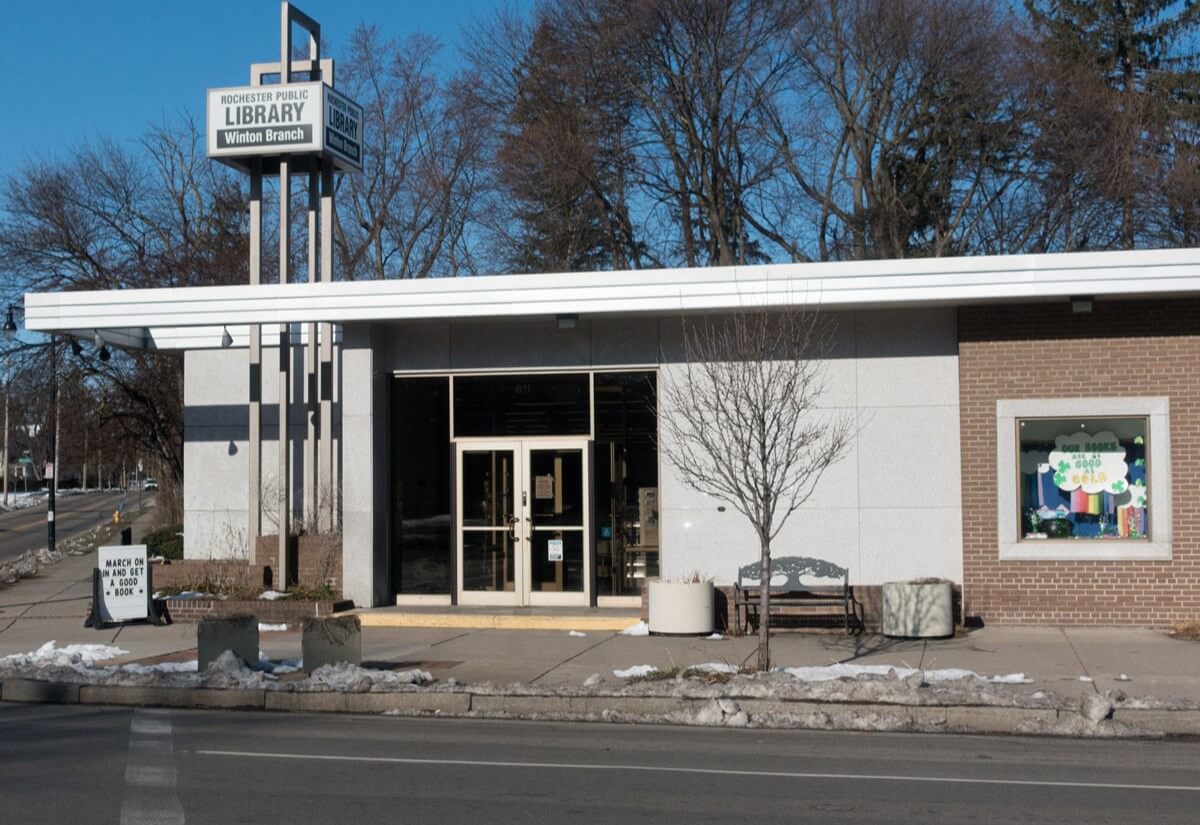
x=364, y=556
x=327, y=518
x=285, y=189
x=254, y=436
x=312, y=492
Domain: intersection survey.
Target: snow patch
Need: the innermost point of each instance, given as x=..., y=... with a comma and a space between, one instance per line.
x=829, y=673
x=576, y=633
x=267, y=627
x=67, y=656
x=354, y=679
x=714, y=667
x=635, y=672
x=716, y=637
x=272, y=595
x=639, y=629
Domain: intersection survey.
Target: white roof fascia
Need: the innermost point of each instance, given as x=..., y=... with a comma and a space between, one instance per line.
x=829, y=285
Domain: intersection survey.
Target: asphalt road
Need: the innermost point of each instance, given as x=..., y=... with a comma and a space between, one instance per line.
x=76, y=764
x=22, y=530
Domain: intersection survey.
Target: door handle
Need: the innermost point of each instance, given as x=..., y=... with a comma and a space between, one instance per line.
x=513, y=521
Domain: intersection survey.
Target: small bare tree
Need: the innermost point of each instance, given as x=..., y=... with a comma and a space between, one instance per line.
x=742, y=422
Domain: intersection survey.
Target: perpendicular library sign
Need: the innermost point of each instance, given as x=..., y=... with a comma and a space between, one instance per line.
x=286, y=119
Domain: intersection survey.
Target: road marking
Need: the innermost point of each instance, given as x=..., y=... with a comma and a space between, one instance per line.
x=150, y=797
x=858, y=777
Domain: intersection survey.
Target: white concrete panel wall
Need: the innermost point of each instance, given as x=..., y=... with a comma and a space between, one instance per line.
x=214, y=454
x=366, y=463
x=891, y=508
x=216, y=450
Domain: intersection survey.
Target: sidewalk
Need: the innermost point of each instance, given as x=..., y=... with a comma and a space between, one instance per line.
x=52, y=606
x=1141, y=663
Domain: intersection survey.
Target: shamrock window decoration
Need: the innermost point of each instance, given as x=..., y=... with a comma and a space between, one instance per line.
x=1083, y=478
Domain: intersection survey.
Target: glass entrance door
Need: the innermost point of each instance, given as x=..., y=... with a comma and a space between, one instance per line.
x=523, y=520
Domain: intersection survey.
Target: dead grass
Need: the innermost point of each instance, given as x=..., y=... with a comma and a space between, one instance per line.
x=1186, y=630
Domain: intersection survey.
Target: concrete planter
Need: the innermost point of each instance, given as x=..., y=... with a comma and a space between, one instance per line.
x=236, y=633
x=919, y=609
x=683, y=608
x=330, y=641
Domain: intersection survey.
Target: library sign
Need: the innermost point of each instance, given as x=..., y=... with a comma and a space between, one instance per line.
x=124, y=586
x=287, y=119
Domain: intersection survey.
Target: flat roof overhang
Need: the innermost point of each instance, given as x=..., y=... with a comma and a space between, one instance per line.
x=181, y=318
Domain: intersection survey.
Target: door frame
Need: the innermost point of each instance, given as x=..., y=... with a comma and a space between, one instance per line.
x=522, y=595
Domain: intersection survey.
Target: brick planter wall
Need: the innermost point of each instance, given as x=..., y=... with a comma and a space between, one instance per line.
x=281, y=610
x=315, y=560
x=1121, y=348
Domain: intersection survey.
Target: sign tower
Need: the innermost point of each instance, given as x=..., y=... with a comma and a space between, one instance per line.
x=299, y=127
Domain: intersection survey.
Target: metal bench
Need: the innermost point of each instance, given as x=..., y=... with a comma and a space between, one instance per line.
x=794, y=592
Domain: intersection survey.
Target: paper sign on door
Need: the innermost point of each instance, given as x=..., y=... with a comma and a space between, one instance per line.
x=555, y=550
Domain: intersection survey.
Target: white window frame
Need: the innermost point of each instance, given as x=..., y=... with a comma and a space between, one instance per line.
x=1155, y=409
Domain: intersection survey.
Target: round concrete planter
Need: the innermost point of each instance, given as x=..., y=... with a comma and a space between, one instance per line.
x=919, y=610
x=681, y=607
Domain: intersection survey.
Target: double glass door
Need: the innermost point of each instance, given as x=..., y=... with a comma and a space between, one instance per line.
x=522, y=522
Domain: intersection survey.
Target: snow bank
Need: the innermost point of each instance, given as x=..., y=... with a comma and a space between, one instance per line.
x=67, y=656
x=354, y=679
x=272, y=595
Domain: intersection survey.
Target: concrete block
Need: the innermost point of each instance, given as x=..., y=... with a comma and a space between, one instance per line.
x=236, y=633
x=170, y=697
x=34, y=690
x=305, y=702
x=525, y=706
x=1169, y=722
x=450, y=704
x=637, y=705
x=996, y=719
x=329, y=640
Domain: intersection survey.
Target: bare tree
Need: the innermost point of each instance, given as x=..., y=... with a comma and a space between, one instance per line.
x=902, y=125
x=743, y=422
x=407, y=214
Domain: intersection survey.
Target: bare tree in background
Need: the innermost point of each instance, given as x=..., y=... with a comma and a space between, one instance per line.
x=406, y=215
x=107, y=217
x=903, y=128
x=743, y=422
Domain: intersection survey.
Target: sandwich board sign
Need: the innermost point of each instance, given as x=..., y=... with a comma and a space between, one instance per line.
x=124, y=592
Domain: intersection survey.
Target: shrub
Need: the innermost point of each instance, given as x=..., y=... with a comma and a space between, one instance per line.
x=165, y=541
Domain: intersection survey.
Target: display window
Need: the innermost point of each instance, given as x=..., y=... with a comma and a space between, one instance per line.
x=1084, y=479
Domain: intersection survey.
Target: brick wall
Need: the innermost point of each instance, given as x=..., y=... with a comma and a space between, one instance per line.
x=315, y=560
x=1121, y=348
x=187, y=611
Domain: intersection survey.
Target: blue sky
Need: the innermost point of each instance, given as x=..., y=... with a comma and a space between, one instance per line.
x=77, y=70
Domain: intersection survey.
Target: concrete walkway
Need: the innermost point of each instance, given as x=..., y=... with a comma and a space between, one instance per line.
x=1143, y=663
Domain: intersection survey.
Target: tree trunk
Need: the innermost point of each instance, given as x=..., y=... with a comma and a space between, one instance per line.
x=764, y=605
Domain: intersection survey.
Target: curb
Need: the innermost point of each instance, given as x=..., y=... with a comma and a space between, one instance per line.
x=803, y=714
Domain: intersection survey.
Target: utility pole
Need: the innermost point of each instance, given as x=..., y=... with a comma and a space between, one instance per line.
x=53, y=451
x=6, y=383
